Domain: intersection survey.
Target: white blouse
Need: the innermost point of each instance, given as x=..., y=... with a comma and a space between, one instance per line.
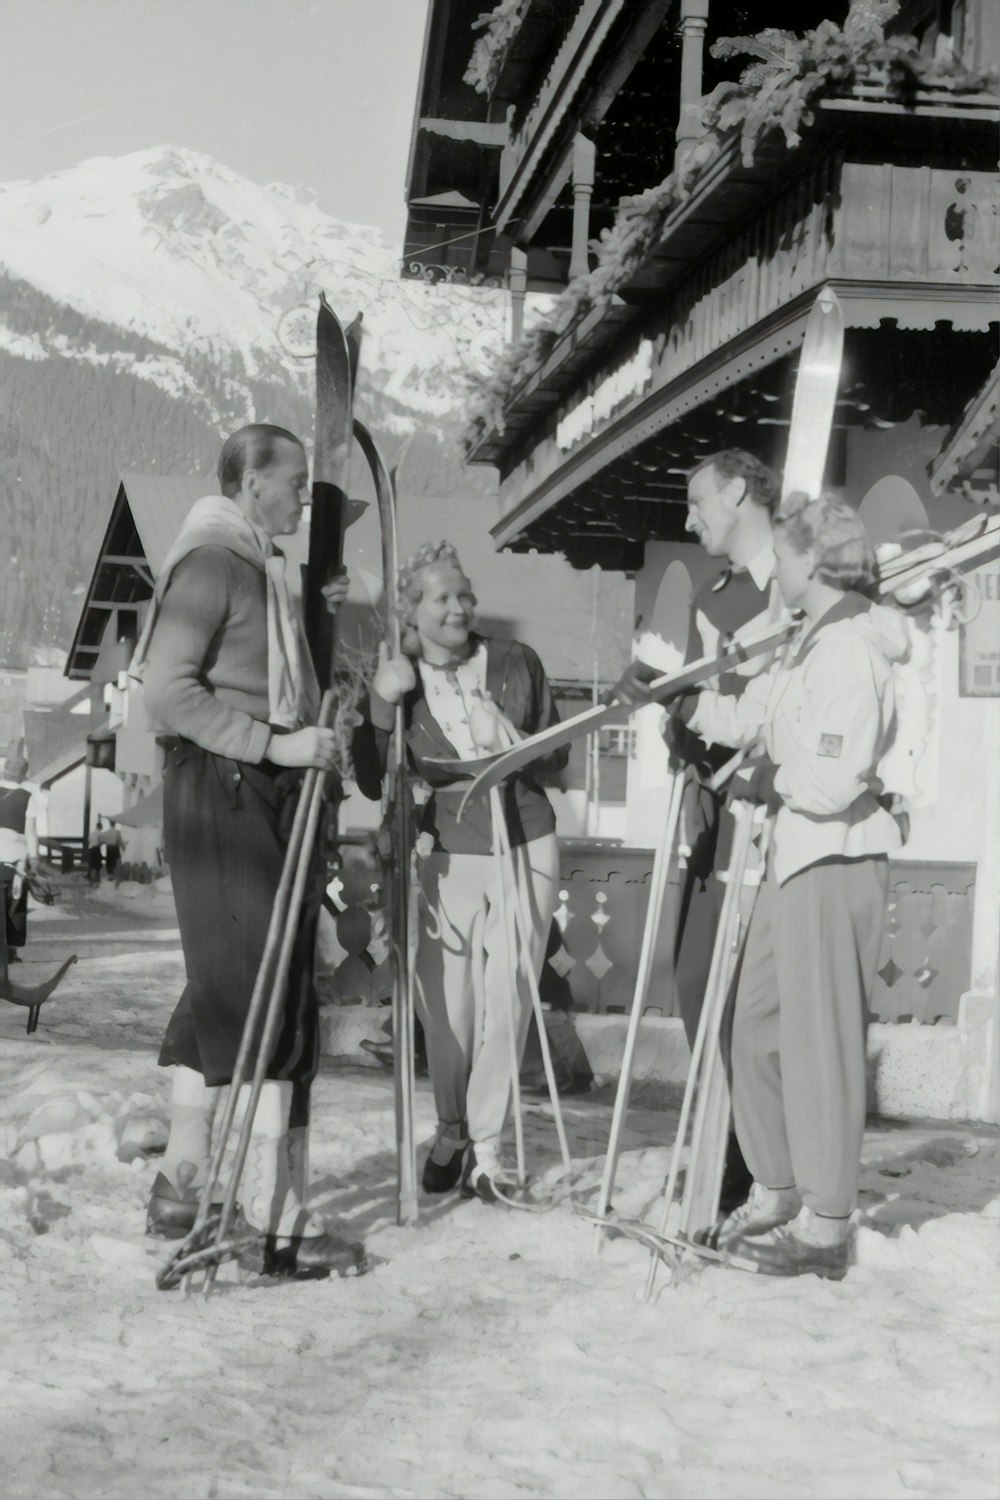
x=452, y=693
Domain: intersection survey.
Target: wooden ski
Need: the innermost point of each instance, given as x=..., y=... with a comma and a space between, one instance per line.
x=396, y=867
x=970, y=545
x=336, y=365
x=815, y=398
x=489, y=770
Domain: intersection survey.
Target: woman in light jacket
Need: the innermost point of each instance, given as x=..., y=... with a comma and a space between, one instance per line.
x=463, y=694
x=825, y=717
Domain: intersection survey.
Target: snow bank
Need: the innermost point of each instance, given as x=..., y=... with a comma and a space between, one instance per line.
x=490, y=1353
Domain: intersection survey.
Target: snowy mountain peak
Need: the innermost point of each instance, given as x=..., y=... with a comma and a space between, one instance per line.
x=180, y=250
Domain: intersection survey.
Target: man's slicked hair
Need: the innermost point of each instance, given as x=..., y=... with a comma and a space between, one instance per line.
x=252, y=447
x=737, y=463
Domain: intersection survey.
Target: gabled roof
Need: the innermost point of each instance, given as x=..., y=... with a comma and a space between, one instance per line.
x=56, y=738
x=145, y=518
x=159, y=503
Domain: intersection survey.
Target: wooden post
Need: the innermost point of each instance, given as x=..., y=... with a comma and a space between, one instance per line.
x=693, y=25
x=518, y=282
x=86, y=807
x=584, y=161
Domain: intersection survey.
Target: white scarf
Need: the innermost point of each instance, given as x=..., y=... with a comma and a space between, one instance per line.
x=292, y=688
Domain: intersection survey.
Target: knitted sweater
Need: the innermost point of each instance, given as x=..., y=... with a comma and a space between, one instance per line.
x=206, y=675
x=516, y=681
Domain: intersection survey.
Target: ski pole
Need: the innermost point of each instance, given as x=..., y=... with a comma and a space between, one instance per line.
x=496, y=812
x=261, y=989
x=274, y=1009
x=404, y=1083
x=650, y=935
x=712, y=1113
x=711, y=1014
x=524, y=928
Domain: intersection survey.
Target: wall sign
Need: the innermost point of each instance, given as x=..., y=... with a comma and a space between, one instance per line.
x=979, y=640
x=627, y=382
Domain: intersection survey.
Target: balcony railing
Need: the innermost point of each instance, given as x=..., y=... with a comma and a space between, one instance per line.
x=523, y=156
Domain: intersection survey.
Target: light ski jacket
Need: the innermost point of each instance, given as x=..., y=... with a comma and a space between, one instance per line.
x=825, y=719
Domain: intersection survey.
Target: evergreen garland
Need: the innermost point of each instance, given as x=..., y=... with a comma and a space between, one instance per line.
x=499, y=26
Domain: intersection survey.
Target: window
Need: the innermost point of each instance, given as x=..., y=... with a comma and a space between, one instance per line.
x=617, y=740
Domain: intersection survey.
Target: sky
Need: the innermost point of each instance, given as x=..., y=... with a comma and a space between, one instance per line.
x=311, y=92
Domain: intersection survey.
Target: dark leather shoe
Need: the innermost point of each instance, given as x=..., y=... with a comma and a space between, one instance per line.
x=478, y=1183
x=441, y=1177
x=306, y=1258
x=781, y=1253
x=171, y=1211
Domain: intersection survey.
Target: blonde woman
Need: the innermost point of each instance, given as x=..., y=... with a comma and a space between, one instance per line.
x=463, y=695
x=825, y=718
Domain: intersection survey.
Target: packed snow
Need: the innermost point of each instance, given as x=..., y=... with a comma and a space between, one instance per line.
x=490, y=1352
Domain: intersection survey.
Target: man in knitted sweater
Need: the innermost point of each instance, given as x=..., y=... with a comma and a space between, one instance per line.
x=227, y=672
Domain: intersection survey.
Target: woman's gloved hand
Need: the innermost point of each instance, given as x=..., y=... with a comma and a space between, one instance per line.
x=394, y=675
x=486, y=725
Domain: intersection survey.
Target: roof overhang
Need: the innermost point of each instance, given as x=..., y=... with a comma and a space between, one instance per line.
x=62, y=766
x=974, y=438
x=615, y=481
x=812, y=201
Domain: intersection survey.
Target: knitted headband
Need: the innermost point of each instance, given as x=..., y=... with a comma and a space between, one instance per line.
x=426, y=555
x=410, y=588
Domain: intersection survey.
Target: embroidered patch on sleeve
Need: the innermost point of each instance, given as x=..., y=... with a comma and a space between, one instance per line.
x=831, y=744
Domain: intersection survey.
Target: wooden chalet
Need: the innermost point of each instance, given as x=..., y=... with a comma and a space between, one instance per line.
x=611, y=152
x=146, y=515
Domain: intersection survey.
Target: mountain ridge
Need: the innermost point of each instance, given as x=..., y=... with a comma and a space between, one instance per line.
x=148, y=304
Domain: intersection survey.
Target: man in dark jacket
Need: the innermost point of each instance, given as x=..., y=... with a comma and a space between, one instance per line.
x=731, y=500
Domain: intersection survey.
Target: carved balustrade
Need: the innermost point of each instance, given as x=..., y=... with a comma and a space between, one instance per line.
x=924, y=966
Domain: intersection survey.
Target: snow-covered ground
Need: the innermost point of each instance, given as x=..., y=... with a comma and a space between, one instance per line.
x=490, y=1353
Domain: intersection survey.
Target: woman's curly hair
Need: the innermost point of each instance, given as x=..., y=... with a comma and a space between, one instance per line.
x=844, y=555
x=410, y=587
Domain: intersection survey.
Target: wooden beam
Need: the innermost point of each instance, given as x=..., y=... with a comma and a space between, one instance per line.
x=480, y=132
